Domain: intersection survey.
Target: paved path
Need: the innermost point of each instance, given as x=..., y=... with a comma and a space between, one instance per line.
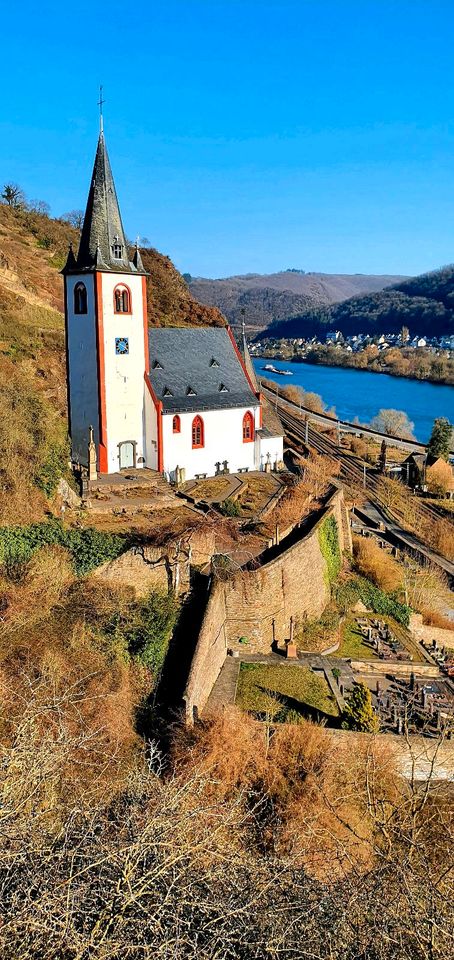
x=224, y=690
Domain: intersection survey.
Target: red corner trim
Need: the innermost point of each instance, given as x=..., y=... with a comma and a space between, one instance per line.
x=102, y=453
x=158, y=407
x=240, y=358
x=145, y=324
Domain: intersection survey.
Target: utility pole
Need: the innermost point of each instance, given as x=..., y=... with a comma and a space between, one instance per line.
x=338, y=434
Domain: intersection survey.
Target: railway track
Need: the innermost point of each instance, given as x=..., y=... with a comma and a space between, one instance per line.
x=354, y=476
x=351, y=471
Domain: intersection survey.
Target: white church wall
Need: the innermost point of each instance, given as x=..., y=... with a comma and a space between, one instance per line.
x=124, y=374
x=274, y=446
x=223, y=440
x=83, y=371
x=151, y=432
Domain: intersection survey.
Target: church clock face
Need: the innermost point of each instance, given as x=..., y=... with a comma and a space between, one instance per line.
x=121, y=345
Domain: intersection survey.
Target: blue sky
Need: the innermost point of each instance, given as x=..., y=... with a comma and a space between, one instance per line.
x=245, y=136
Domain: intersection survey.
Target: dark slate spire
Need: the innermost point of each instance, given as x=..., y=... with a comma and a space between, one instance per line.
x=70, y=260
x=103, y=242
x=137, y=260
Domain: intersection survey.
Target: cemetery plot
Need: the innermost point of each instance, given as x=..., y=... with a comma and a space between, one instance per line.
x=370, y=638
x=284, y=693
x=413, y=705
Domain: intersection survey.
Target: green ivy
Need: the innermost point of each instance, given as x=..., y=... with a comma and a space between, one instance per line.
x=88, y=547
x=385, y=604
x=328, y=538
x=145, y=628
x=54, y=466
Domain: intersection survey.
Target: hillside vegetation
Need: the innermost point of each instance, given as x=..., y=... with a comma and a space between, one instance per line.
x=270, y=297
x=424, y=304
x=33, y=428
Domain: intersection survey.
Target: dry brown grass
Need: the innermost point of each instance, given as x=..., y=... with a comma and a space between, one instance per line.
x=435, y=532
x=376, y=564
x=315, y=807
x=437, y=619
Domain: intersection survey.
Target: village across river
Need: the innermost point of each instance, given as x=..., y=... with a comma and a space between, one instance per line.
x=358, y=393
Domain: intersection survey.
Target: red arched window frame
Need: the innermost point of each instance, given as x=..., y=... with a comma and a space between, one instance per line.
x=248, y=427
x=176, y=424
x=122, y=299
x=198, y=438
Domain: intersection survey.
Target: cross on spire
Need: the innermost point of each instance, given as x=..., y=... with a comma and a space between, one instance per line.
x=101, y=101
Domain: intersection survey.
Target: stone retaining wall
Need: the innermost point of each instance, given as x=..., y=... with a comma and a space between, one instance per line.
x=256, y=605
x=423, y=631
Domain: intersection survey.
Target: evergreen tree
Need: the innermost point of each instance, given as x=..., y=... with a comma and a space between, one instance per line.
x=358, y=711
x=441, y=438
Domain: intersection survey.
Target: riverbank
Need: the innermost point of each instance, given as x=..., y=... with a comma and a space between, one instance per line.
x=360, y=394
x=438, y=372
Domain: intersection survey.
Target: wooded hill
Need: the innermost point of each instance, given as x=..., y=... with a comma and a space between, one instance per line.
x=270, y=297
x=424, y=304
x=33, y=427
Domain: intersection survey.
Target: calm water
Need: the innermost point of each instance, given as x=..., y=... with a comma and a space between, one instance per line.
x=358, y=393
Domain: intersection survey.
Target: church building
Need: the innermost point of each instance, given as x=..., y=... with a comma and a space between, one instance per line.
x=180, y=400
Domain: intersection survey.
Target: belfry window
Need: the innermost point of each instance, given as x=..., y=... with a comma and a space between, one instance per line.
x=198, y=439
x=248, y=427
x=117, y=249
x=122, y=299
x=80, y=298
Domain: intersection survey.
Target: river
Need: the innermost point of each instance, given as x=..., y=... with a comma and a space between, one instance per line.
x=360, y=393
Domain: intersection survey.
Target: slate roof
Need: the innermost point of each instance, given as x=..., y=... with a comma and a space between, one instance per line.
x=197, y=368
x=103, y=228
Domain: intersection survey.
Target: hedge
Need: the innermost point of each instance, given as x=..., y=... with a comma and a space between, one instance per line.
x=88, y=547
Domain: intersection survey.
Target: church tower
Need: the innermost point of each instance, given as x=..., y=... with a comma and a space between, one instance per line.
x=106, y=333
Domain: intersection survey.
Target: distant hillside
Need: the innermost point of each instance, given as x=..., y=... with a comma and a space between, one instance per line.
x=424, y=304
x=276, y=296
x=33, y=428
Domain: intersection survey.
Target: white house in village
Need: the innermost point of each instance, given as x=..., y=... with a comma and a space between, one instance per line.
x=165, y=398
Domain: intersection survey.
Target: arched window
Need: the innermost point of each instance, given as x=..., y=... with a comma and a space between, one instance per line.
x=80, y=298
x=122, y=299
x=117, y=250
x=248, y=427
x=176, y=424
x=197, y=433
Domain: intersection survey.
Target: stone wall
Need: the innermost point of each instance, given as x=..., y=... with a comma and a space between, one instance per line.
x=210, y=653
x=293, y=582
x=423, y=631
x=256, y=604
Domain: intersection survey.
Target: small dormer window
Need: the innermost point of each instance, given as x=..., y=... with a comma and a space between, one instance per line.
x=223, y=388
x=190, y=392
x=214, y=362
x=167, y=392
x=117, y=249
x=156, y=365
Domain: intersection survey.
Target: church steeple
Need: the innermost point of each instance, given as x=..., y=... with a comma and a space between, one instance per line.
x=103, y=242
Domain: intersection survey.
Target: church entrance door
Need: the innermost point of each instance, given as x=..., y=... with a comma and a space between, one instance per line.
x=126, y=454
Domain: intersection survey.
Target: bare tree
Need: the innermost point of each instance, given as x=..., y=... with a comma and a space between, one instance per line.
x=393, y=422
x=74, y=217
x=13, y=195
x=39, y=206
